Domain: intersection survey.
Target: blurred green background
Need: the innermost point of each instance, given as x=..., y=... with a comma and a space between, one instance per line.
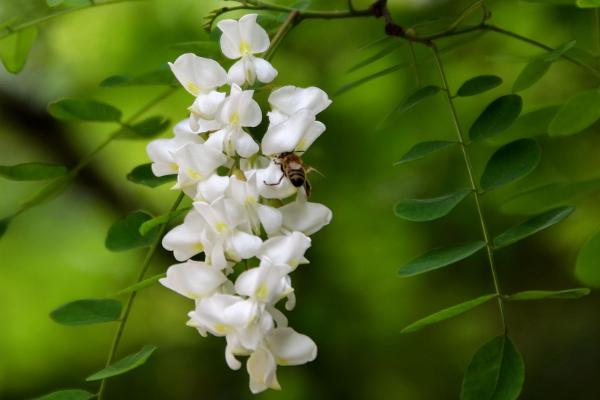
x=349, y=298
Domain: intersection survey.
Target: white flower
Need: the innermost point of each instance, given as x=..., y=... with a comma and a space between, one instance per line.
x=196, y=162
x=193, y=279
x=282, y=346
x=285, y=251
x=265, y=284
x=204, y=112
x=295, y=133
x=186, y=240
x=241, y=40
x=238, y=111
x=198, y=75
x=226, y=233
x=246, y=194
x=271, y=182
x=160, y=151
x=212, y=188
x=288, y=100
x=301, y=215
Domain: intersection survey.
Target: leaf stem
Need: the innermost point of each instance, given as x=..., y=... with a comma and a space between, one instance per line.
x=10, y=29
x=132, y=295
x=287, y=25
x=473, y=183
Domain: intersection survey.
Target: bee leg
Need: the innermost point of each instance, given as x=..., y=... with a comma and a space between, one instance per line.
x=307, y=187
x=276, y=183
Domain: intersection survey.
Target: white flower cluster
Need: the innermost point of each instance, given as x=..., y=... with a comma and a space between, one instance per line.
x=233, y=218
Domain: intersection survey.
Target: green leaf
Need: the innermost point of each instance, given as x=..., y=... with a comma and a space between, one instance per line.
x=141, y=285
x=125, y=364
x=533, y=225
x=143, y=175
x=159, y=77
x=533, y=72
x=447, y=313
x=68, y=3
x=578, y=113
x=533, y=123
x=549, y=195
x=588, y=3
x=549, y=294
x=429, y=209
x=496, y=372
x=50, y=191
x=33, y=171
x=511, y=162
x=4, y=222
x=587, y=268
x=88, y=311
x=479, y=84
x=373, y=43
x=83, y=110
x=440, y=257
x=422, y=149
x=205, y=48
x=147, y=128
x=162, y=219
x=349, y=86
x=560, y=50
x=14, y=49
x=417, y=97
x=124, y=233
x=497, y=117
x=390, y=48
x=69, y=394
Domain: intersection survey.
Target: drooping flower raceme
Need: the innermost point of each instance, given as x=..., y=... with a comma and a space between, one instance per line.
x=233, y=224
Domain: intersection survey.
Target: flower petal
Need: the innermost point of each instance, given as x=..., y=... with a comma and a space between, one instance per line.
x=244, y=244
x=285, y=136
x=264, y=71
x=291, y=99
x=255, y=37
x=262, y=369
x=230, y=39
x=193, y=279
x=290, y=347
x=305, y=217
x=197, y=74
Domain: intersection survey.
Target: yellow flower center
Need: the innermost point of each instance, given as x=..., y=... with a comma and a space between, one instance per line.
x=244, y=47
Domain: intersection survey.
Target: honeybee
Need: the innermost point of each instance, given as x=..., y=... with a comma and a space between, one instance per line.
x=293, y=168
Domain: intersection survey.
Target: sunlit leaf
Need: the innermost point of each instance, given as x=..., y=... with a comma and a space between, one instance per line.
x=549, y=294
x=84, y=110
x=422, y=149
x=88, y=311
x=511, y=162
x=496, y=372
x=587, y=268
x=479, y=84
x=447, y=313
x=390, y=48
x=429, y=209
x=160, y=220
x=533, y=72
x=124, y=233
x=440, y=257
x=68, y=3
x=141, y=285
x=497, y=117
x=147, y=128
x=124, y=365
x=578, y=113
x=69, y=394
x=143, y=175
x=14, y=49
x=533, y=225
x=546, y=196
x=159, y=77
x=33, y=171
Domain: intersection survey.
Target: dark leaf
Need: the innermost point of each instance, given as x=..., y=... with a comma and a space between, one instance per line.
x=84, y=110
x=587, y=268
x=497, y=117
x=440, y=257
x=33, y=171
x=390, y=48
x=533, y=72
x=422, y=149
x=159, y=77
x=143, y=175
x=124, y=233
x=511, y=162
x=549, y=294
x=89, y=311
x=447, y=313
x=124, y=365
x=496, y=372
x=479, y=84
x=160, y=220
x=429, y=209
x=147, y=128
x=69, y=394
x=417, y=97
x=533, y=225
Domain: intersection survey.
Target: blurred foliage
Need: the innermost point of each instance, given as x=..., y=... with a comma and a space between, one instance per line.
x=350, y=299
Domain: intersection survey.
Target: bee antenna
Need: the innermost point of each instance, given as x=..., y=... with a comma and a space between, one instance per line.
x=311, y=169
